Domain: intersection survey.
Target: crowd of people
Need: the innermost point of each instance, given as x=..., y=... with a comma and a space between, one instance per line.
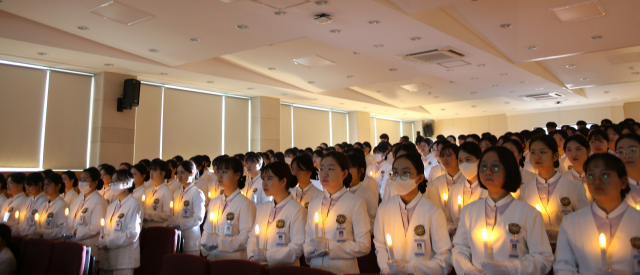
x=562, y=198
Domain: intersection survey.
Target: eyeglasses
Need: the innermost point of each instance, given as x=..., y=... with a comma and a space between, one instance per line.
x=494, y=168
x=403, y=175
x=633, y=152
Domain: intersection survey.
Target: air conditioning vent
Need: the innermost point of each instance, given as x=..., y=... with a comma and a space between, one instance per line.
x=541, y=97
x=434, y=55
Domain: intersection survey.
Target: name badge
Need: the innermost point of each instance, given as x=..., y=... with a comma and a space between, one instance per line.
x=418, y=247
x=81, y=220
x=636, y=264
x=47, y=224
x=185, y=213
x=31, y=221
x=155, y=208
x=341, y=235
x=513, y=249
x=227, y=229
x=280, y=241
x=254, y=197
x=566, y=211
x=118, y=226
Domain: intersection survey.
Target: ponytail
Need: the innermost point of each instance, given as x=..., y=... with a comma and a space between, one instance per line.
x=347, y=181
x=422, y=187
x=242, y=181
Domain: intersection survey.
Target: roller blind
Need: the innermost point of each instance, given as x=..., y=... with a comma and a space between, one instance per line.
x=148, y=120
x=68, y=115
x=285, y=127
x=389, y=127
x=339, y=127
x=21, y=101
x=236, y=125
x=310, y=127
x=406, y=130
x=192, y=123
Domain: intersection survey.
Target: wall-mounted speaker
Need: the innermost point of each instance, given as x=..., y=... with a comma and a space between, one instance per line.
x=131, y=92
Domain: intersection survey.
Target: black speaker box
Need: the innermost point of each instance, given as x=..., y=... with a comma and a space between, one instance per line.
x=131, y=92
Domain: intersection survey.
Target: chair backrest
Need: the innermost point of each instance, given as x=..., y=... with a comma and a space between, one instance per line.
x=294, y=270
x=369, y=263
x=155, y=243
x=17, y=246
x=68, y=259
x=184, y=264
x=37, y=257
x=237, y=267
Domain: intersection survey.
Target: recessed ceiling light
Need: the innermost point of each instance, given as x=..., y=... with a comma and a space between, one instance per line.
x=532, y=48
x=507, y=102
x=194, y=39
x=285, y=94
x=474, y=78
x=473, y=106
x=523, y=82
x=436, y=96
x=505, y=26
x=393, y=69
x=374, y=22
x=335, y=31
x=356, y=53
x=378, y=46
x=349, y=76
x=280, y=12
x=584, y=79
x=311, y=82
x=417, y=38
x=538, y=89
x=450, y=70
x=272, y=69
x=163, y=73
x=473, y=93
x=109, y=65
x=315, y=99
x=503, y=74
x=43, y=54
x=153, y=50
x=321, y=3
x=570, y=66
x=597, y=37
x=249, y=88
x=442, y=109
x=83, y=28
x=495, y=85
x=210, y=81
x=636, y=73
x=241, y=27
x=379, y=91
x=452, y=82
x=606, y=92
x=401, y=100
x=480, y=65
x=513, y=91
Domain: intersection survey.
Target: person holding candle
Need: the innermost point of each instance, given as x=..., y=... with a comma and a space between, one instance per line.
x=468, y=190
x=189, y=207
x=577, y=150
x=85, y=212
x=27, y=223
x=516, y=239
x=437, y=169
x=358, y=188
x=121, y=243
x=599, y=142
x=173, y=182
x=106, y=173
x=139, y=172
x=158, y=197
x=380, y=169
x=410, y=232
x=627, y=150
x=303, y=170
x=53, y=220
x=344, y=233
x=15, y=187
x=607, y=230
x=280, y=223
x=442, y=184
x=557, y=196
x=70, y=185
x=253, y=185
x=561, y=136
x=518, y=150
x=389, y=189
x=226, y=237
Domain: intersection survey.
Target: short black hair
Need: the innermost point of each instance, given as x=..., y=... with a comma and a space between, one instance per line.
x=427, y=141
x=94, y=173
x=610, y=162
x=416, y=162
x=17, y=177
x=108, y=169
x=126, y=164
x=551, y=124
x=550, y=143
x=404, y=138
x=282, y=171
x=54, y=178
x=407, y=147
x=474, y=137
x=471, y=148
x=516, y=143
x=562, y=133
x=344, y=164
x=253, y=156
x=235, y=165
x=581, y=123
x=279, y=156
x=317, y=153
x=453, y=137
x=142, y=169
x=190, y=167
x=366, y=144
x=178, y=158
x=577, y=138
x=384, y=136
x=359, y=162
x=382, y=148
x=598, y=133
x=160, y=165
x=34, y=178
x=462, y=137
x=450, y=147
x=146, y=162
x=512, y=178
x=606, y=121
x=632, y=136
x=491, y=139
x=292, y=151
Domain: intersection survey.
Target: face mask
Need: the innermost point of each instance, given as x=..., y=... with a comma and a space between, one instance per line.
x=84, y=187
x=117, y=188
x=469, y=170
x=404, y=186
x=288, y=160
x=378, y=157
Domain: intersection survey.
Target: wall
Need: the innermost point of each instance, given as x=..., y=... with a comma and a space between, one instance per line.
x=632, y=110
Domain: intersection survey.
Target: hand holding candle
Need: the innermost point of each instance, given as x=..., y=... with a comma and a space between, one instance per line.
x=102, y=229
x=603, y=251
x=390, y=247
x=485, y=240
x=171, y=206
x=444, y=198
x=257, y=236
x=209, y=195
x=317, y=220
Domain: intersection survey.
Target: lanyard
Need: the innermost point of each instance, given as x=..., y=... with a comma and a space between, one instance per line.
x=118, y=205
x=78, y=209
x=183, y=192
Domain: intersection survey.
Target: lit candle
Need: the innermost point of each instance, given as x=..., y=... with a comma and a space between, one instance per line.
x=209, y=194
x=638, y=206
x=538, y=207
x=257, y=236
x=317, y=220
x=66, y=212
x=485, y=239
x=390, y=247
x=459, y=205
x=214, y=218
x=444, y=198
x=371, y=173
x=17, y=216
x=102, y=229
x=603, y=251
x=143, y=198
x=36, y=220
x=171, y=206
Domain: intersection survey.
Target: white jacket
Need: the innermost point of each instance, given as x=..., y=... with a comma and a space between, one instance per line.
x=108, y=195
x=26, y=225
x=123, y=246
x=69, y=196
x=439, y=187
x=53, y=213
x=311, y=193
x=380, y=173
x=436, y=171
x=294, y=217
x=174, y=185
x=370, y=198
x=572, y=174
x=437, y=246
x=192, y=200
x=534, y=251
x=254, y=187
x=84, y=217
x=12, y=205
x=157, y=206
x=457, y=189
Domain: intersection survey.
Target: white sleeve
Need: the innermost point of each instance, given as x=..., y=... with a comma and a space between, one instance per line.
x=198, y=213
x=461, y=253
x=380, y=244
x=566, y=262
x=540, y=259
x=165, y=213
x=131, y=232
x=59, y=222
x=289, y=254
x=583, y=201
x=440, y=244
x=246, y=218
x=98, y=213
x=361, y=233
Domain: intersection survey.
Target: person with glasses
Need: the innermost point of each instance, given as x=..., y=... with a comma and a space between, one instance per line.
x=627, y=150
x=609, y=221
x=416, y=227
x=253, y=185
x=499, y=234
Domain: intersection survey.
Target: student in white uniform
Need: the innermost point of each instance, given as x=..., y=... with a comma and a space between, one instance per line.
x=561, y=136
x=380, y=170
x=428, y=160
x=599, y=142
x=357, y=185
x=139, y=171
x=85, y=213
x=579, y=247
x=253, y=185
x=214, y=187
x=15, y=187
x=203, y=181
x=554, y=195
x=318, y=154
x=27, y=223
x=442, y=184
x=106, y=172
x=467, y=191
x=343, y=225
x=366, y=147
x=389, y=189
x=189, y=208
x=280, y=222
x=120, y=242
x=303, y=170
x=233, y=216
x=516, y=148
x=158, y=197
x=527, y=158
x=614, y=132
x=517, y=243
x=416, y=227
x=3, y=190
x=437, y=170
x=577, y=150
x=53, y=220
x=627, y=150
x=173, y=182
x=70, y=181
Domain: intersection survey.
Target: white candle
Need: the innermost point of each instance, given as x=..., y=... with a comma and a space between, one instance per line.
x=317, y=220
x=214, y=218
x=459, y=205
x=66, y=212
x=603, y=251
x=17, y=217
x=143, y=197
x=257, y=236
x=102, y=229
x=390, y=247
x=485, y=239
x=36, y=220
x=171, y=206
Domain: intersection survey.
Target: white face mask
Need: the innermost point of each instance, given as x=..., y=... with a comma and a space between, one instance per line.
x=288, y=160
x=84, y=187
x=378, y=157
x=117, y=188
x=404, y=186
x=469, y=170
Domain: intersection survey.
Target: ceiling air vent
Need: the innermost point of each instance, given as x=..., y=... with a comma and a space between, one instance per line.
x=545, y=96
x=434, y=55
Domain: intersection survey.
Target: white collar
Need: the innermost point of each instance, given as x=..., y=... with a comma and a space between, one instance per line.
x=412, y=203
x=355, y=188
x=631, y=181
x=503, y=201
x=552, y=179
x=619, y=210
x=337, y=194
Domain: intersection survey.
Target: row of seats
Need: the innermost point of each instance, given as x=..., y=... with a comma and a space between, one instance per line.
x=45, y=257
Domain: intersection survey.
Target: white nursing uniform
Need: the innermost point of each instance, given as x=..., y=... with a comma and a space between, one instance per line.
x=122, y=236
x=304, y=195
x=69, y=196
x=84, y=218
x=157, y=205
x=174, y=185
x=189, y=213
x=10, y=206
x=380, y=173
x=138, y=192
x=468, y=192
x=370, y=198
x=107, y=194
x=441, y=185
x=53, y=220
x=633, y=198
x=429, y=162
x=574, y=175
x=253, y=190
x=27, y=224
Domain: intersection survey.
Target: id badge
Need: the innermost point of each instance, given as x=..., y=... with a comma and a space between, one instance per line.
x=513, y=249
x=280, y=241
x=566, y=211
x=185, y=213
x=47, y=224
x=254, y=197
x=31, y=221
x=227, y=229
x=418, y=247
x=118, y=226
x=81, y=220
x=155, y=208
x=636, y=264
x=341, y=234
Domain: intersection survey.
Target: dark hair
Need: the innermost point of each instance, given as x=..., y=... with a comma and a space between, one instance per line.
x=427, y=141
x=523, y=139
x=384, y=136
x=305, y=162
x=562, y=133
x=594, y=127
x=253, y=156
x=56, y=179
x=581, y=123
x=367, y=144
x=491, y=139
x=146, y=162
x=336, y=146
x=72, y=176
x=474, y=137
x=610, y=162
x=108, y=169
x=615, y=127
x=577, y=138
x=292, y=151
x=318, y=153
x=190, y=167
x=551, y=124
x=19, y=177
x=162, y=166
x=3, y=182
x=407, y=147
x=33, y=179
x=206, y=158
x=583, y=131
x=173, y=164
x=279, y=156
x=94, y=173
x=235, y=165
x=606, y=121
x=239, y=156
x=142, y=169
x=359, y=162
x=325, y=145
x=199, y=161
x=416, y=162
x=550, y=143
x=462, y=137
x=308, y=150
x=628, y=136
x=598, y=133
x=452, y=136
x=440, y=137
x=512, y=177
x=451, y=147
x=126, y=176
x=519, y=147
x=343, y=162
x=382, y=148
x=216, y=161
x=178, y=158
x=46, y=172
x=471, y=148
x=282, y=171
x=128, y=165
x=354, y=151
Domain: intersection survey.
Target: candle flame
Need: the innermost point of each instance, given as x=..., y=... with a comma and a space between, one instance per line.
x=538, y=207
x=371, y=173
x=171, y=204
x=143, y=197
x=212, y=217
x=485, y=236
x=316, y=218
x=257, y=230
x=209, y=194
x=603, y=241
x=444, y=196
x=638, y=206
x=66, y=211
x=459, y=200
x=17, y=214
x=389, y=242
x=102, y=222
x=36, y=217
